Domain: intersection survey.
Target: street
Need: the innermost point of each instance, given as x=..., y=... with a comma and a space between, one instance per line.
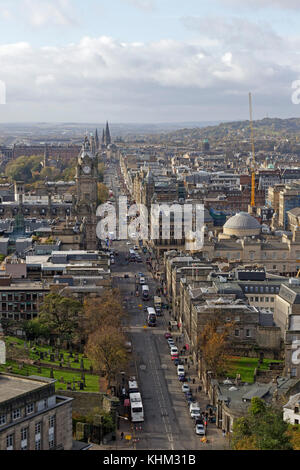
x=167, y=424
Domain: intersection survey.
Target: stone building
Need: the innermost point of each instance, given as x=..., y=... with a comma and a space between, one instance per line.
x=32, y=415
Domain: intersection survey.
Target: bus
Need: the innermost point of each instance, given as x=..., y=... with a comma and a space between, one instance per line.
x=145, y=291
x=151, y=319
x=136, y=407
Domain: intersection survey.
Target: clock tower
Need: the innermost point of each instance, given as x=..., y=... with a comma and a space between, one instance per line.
x=87, y=192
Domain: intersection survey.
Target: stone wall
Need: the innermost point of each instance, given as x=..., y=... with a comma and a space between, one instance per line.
x=84, y=402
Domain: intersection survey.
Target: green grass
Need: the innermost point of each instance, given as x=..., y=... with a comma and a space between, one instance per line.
x=35, y=355
x=91, y=381
x=245, y=366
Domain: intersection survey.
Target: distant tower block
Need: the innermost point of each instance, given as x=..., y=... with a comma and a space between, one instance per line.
x=205, y=145
x=19, y=191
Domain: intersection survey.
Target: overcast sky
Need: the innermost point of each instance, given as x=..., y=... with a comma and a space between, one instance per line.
x=148, y=60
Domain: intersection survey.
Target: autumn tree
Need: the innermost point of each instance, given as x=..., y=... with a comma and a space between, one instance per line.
x=213, y=344
x=102, y=193
x=106, y=350
x=106, y=310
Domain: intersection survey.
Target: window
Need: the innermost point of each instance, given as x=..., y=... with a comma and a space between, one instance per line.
x=267, y=299
x=2, y=420
x=256, y=299
x=16, y=413
x=296, y=410
x=236, y=332
x=296, y=421
x=38, y=438
x=10, y=442
x=30, y=408
x=248, y=333
x=261, y=299
x=272, y=299
x=24, y=437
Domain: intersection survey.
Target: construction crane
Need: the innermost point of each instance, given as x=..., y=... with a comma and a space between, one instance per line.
x=253, y=155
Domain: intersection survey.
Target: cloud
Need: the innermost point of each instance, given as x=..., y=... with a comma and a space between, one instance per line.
x=40, y=13
x=101, y=77
x=146, y=5
x=284, y=4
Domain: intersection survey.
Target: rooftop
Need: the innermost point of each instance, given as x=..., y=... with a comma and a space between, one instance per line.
x=13, y=386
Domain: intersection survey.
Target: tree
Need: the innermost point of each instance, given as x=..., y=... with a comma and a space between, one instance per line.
x=294, y=434
x=213, y=345
x=262, y=428
x=103, y=311
x=61, y=316
x=34, y=329
x=106, y=350
x=23, y=168
x=102, y=193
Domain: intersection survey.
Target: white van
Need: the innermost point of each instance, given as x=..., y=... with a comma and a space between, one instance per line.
x=195, y=411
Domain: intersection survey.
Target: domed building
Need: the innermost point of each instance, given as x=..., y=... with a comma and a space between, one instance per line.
x=241, y=225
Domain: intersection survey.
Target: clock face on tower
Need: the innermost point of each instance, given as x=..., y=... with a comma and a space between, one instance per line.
x=86, y=169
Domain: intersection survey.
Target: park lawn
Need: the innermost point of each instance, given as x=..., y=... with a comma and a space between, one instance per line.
x=245, y=366
x=35, y=355
x=91, y=381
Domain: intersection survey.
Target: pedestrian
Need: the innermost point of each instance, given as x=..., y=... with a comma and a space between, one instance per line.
x=199, y=388
x=193, y=380
x=122, y=435
x=223, y=432
x=188, y=367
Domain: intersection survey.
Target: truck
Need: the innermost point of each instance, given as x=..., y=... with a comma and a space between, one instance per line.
x=157, y=305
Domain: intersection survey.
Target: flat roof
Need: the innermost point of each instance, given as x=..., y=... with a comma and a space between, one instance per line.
x=12, y=386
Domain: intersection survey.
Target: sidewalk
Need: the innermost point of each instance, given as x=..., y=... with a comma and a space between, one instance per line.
x=216, y=441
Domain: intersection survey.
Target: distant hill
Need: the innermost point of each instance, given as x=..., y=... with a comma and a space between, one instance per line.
x=272, y=127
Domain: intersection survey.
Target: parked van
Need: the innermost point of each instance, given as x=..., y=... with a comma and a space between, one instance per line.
x=195, y=411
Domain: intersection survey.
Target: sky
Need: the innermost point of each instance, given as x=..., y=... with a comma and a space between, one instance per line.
x=148, y=61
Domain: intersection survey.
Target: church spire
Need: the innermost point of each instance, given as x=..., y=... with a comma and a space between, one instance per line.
x=107, y=135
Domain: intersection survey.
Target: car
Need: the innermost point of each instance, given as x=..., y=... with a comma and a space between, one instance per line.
x=174, y=350
x=128, y=243
x=112, y=260
x=170, y=340
x=177, y=362
x=135, y=247
x=180, y=370
x=174, y=356
x=200, y=430
x=139, y=259
x=168, y=335
x=182, y=378
x=185, y=388
x=126, y=276
x=198, y=421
